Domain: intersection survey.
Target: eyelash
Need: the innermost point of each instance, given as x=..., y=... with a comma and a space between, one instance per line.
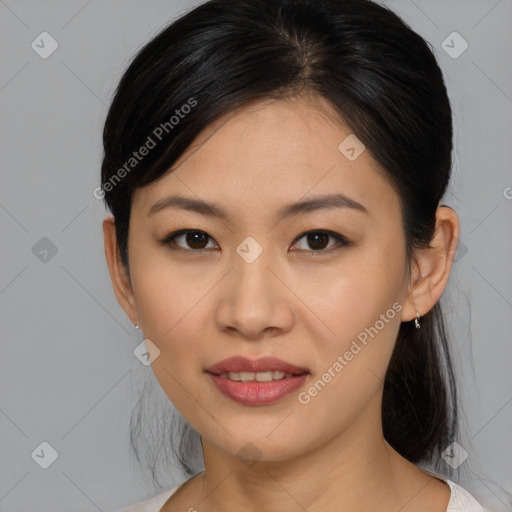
x=169, y=240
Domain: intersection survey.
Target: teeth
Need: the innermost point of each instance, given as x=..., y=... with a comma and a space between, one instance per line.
x=258, y=376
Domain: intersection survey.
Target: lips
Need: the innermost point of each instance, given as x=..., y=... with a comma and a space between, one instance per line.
x=264, y=364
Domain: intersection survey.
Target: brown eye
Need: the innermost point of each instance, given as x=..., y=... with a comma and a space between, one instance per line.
x=188, y=240
x=318, y=241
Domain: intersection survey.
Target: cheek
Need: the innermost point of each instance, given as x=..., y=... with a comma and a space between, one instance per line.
x=351, y=368
x=352, y=294
x=173, y=307
x=167, y=293
x=357, y=300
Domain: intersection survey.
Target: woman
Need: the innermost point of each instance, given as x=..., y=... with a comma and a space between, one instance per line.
x=275, y=170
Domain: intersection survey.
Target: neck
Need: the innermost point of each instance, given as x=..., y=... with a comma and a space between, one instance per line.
x=354, y=470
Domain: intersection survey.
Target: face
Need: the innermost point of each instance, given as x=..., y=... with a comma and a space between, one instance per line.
x=318, y=287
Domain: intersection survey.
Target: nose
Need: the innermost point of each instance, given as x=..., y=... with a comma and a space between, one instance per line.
x=254, y=300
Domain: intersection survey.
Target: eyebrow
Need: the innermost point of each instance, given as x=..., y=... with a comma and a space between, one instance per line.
x=214, y=210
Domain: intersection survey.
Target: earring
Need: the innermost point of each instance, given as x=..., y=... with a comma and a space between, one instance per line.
x=136, y=326
x=417, y=320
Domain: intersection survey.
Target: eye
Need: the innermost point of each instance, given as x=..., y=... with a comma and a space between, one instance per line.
x=195, y=239
x=319, y=240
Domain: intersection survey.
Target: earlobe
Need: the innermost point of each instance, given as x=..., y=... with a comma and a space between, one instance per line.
x=432, y=266
x=118, y=272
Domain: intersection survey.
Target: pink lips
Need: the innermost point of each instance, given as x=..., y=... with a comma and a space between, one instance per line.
x=254, y=392
x=264, y=364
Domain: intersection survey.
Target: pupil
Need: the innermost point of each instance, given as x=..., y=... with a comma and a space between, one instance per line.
x=316, y=238
x=196, y=238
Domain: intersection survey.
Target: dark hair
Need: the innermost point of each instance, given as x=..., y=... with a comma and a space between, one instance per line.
x=381, y=79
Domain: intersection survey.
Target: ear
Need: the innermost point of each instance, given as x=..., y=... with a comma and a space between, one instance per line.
x=432, y=266
x=118, y=272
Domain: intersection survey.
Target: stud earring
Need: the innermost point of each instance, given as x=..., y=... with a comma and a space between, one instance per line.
x=417, y=320
x=136, y=326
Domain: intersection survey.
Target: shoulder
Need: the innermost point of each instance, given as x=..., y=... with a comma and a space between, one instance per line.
x=153, y=504
x=461, y=500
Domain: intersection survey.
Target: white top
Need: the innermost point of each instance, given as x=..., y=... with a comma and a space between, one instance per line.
x=460, y=500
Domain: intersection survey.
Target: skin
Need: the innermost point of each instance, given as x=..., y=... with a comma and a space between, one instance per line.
x=199, y=306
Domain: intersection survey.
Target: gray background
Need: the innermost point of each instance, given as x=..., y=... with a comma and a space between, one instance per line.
x=68, y=373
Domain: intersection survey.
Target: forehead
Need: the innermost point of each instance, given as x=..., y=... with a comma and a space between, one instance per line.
x=270, y=153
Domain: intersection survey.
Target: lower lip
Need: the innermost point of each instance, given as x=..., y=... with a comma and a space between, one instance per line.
x=257, y=393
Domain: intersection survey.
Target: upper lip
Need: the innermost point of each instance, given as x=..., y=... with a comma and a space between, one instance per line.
x=263, y=364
